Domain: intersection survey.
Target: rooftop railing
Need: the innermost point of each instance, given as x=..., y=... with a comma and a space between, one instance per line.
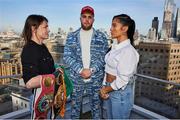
x=145, y=107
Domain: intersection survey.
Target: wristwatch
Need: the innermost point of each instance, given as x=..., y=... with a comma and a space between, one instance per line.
x=92, y=70
x=108, y=83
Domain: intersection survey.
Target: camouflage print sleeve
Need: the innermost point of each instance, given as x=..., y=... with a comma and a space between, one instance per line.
x=69, y=55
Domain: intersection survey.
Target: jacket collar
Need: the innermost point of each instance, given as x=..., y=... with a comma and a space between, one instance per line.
x=77, y=32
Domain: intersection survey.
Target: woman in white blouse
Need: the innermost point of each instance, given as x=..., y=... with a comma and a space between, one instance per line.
x=121, y=64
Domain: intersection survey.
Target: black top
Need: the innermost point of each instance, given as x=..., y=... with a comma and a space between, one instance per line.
x=36, y=60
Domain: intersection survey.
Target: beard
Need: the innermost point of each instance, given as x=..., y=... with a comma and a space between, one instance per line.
x=86, y=27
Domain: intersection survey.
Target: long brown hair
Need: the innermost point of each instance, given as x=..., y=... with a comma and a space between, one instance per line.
x=32, y=20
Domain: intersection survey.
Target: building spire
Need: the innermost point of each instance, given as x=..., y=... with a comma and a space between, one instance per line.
x=168, y=19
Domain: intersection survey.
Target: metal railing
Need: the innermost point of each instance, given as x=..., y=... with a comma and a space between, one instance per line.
x=136, y=108
x=157, y=79
x=138, y=75
x=10, y=76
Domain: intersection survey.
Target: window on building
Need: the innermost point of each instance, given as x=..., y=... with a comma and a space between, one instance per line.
x=155, y=61
x=166, y=56
x=159, y=73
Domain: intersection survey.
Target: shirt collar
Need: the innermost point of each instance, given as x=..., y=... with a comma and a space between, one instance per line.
x=122, y=44
x=90, y=30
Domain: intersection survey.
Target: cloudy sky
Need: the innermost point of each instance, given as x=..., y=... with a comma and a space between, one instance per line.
x=66, y=13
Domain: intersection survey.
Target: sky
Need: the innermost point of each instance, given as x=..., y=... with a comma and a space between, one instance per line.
x=66, y=13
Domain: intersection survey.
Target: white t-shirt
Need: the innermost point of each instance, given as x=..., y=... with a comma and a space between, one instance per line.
x=85, y=41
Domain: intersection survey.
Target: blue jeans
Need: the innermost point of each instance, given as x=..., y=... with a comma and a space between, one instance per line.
x=120, y=103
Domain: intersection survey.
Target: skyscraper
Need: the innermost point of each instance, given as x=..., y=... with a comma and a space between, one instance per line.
x=155, y=24
x=167, y=25
x=160, y=60
x=152, y=34
x=177, y=25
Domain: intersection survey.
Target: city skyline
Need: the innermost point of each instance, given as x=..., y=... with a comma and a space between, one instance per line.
x=66, y=13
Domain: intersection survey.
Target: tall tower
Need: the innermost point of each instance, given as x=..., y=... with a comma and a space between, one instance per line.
x=152, y=35
x=177, y=25
x=167, y=25
x=155, y=24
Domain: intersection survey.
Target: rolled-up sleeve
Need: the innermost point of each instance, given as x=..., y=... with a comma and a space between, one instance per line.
x=127, y=63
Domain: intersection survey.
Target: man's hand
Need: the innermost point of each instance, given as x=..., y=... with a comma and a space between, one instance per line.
x=86, y=73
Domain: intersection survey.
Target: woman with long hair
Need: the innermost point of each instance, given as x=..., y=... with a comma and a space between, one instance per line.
x=37, y=63
x=121, y=64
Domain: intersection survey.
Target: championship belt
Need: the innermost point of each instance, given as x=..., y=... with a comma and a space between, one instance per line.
x=59, y=106
x=43, y=97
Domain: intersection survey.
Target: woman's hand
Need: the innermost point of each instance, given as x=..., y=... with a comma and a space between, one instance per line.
x=58, y=71
x=103, y=93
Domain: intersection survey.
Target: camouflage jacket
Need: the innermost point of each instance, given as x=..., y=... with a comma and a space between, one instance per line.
x=73, y=57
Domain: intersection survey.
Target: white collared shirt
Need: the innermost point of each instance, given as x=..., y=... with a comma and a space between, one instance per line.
x=121, y=62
